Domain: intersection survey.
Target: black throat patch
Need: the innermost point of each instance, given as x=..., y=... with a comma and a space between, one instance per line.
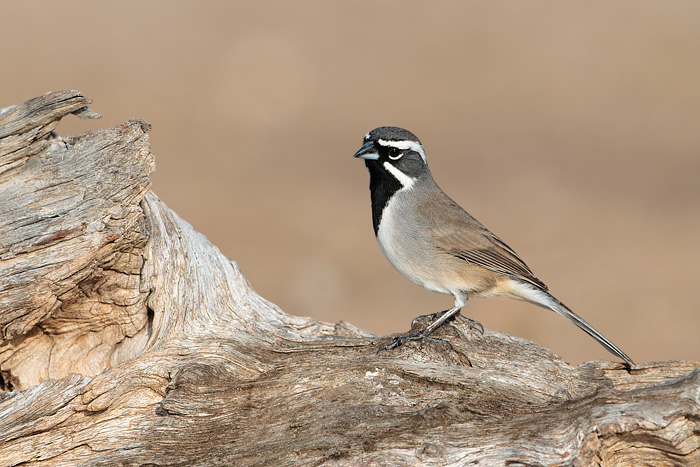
x=382, y=186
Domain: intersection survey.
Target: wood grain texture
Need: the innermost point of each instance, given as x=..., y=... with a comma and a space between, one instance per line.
x=126, y=338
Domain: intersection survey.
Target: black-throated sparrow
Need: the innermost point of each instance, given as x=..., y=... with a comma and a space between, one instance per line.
x=435, y=243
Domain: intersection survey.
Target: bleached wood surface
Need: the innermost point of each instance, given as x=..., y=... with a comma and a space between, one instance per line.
x=126, y=338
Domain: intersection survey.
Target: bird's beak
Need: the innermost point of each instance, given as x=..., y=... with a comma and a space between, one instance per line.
x=367, y=151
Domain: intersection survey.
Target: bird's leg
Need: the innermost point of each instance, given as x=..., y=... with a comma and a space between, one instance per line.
x=433, y=316
x=461, y=299
x=474, y=325
x=438, y=319
x=442, y=318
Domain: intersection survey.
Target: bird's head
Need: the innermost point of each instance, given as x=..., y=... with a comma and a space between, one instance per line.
x=389, y=150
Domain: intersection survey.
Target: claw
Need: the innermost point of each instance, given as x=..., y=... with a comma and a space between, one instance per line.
x=401, y=340
x=438, y=319
x=474, y=325
x=416, y=336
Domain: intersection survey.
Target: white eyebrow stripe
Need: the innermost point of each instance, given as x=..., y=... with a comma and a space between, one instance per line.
x=403, y=179
x=412, y=145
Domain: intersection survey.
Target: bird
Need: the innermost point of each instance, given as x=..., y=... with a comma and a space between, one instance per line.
x=435, y=243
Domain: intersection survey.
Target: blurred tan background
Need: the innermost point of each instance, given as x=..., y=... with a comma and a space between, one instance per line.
x=570, y=129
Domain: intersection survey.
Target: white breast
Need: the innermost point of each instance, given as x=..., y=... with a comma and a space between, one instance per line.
x=404, y=246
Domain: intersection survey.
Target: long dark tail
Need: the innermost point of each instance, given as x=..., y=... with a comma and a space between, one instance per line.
x=563, y=310
x=544, y=299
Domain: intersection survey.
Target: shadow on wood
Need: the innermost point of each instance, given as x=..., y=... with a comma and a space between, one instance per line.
x=127, y=338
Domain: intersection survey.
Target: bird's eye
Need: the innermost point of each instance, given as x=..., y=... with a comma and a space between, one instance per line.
x=395, y=153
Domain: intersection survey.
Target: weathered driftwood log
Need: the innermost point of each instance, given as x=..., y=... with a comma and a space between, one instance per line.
x=126, y=338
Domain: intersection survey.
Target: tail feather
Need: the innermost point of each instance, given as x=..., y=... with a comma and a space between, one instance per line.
x=590, y=330
x=544, y=299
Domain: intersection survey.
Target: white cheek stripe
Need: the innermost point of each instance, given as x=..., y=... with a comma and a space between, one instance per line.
x=412, y=145
x=403, y=179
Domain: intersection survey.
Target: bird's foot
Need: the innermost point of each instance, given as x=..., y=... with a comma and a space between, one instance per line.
x=433, y=321
x=431, y=317
x=415, y=336
x=474, y=325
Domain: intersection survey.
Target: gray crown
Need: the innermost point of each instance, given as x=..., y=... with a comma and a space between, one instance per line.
x=391, y=133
